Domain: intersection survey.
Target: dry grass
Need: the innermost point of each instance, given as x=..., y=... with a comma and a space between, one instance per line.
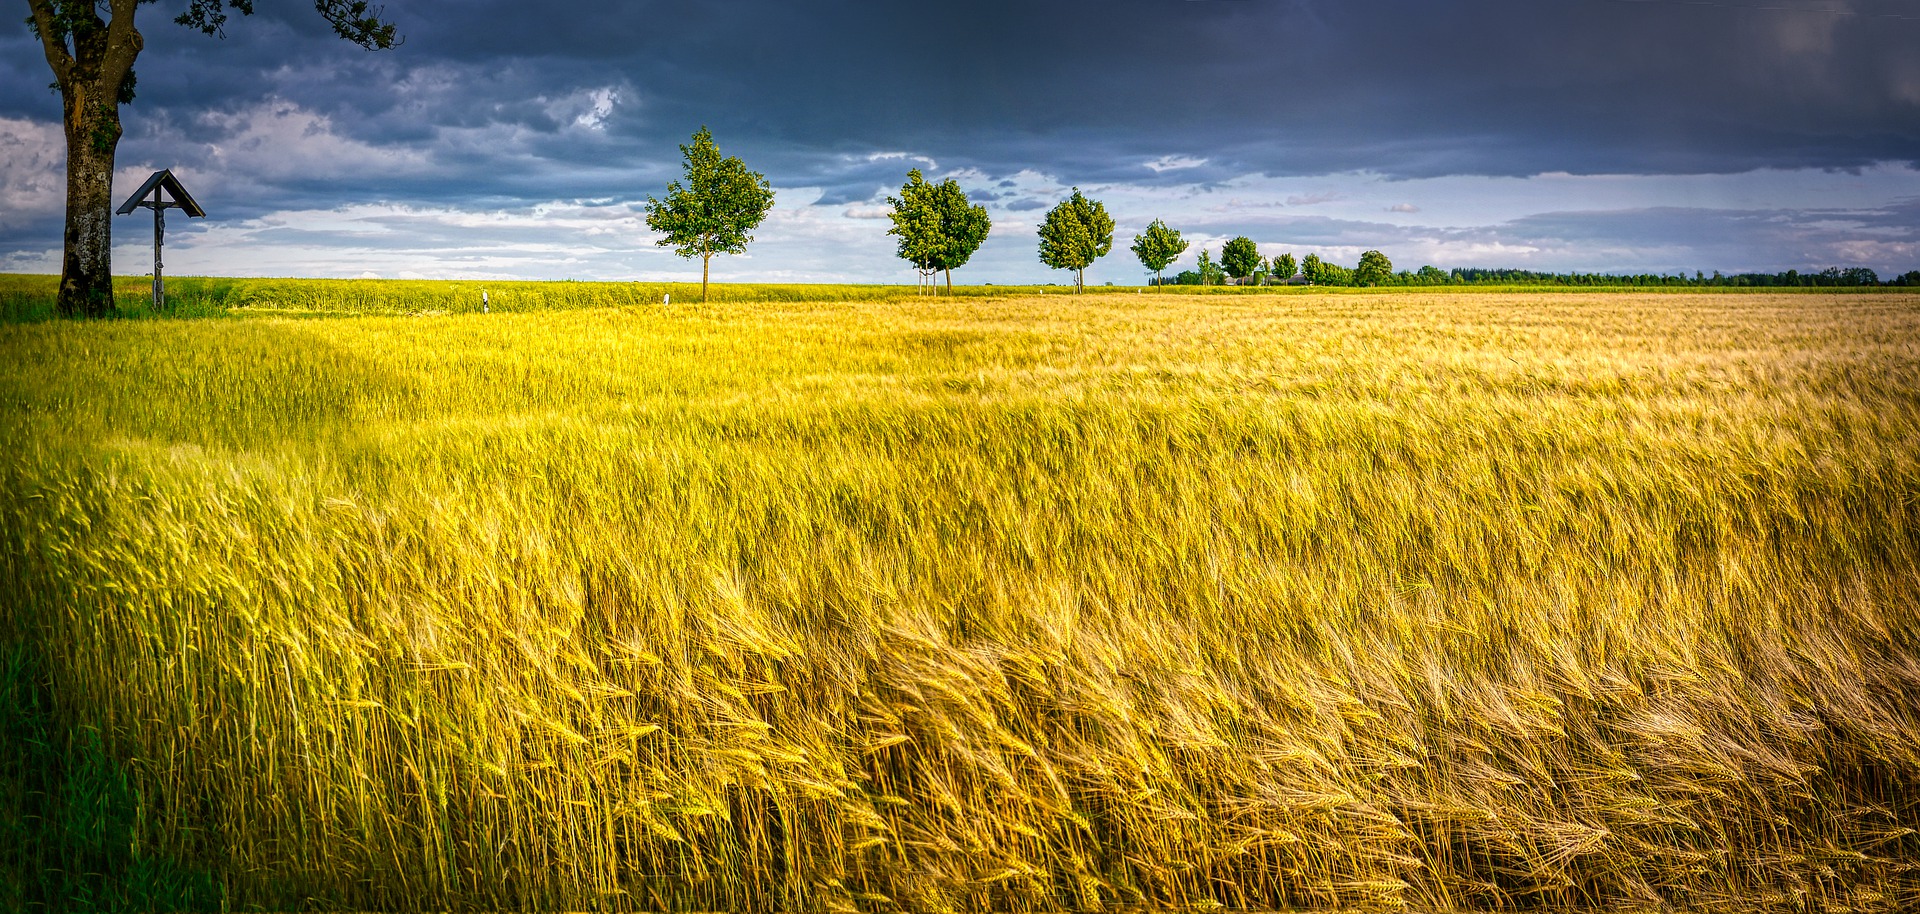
x=1448, y=601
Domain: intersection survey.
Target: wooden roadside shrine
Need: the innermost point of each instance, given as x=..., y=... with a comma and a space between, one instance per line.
x=165, y=191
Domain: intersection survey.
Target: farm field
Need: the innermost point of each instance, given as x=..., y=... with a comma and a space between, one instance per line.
x=27, y=298
x=1012, y=601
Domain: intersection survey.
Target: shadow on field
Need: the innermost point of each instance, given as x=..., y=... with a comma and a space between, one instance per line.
x=70, y=815
x=108, y=407
x=28, y=299
x=212, y=384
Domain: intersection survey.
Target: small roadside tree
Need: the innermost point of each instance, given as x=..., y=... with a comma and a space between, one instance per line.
x=1075, y=234
x=1310, y=268
x=1157, y=247
x=716, y=211
x=92, y=60
x=1373, y=270
x=916, y=225
x=1209, y=271
x=1240, y=257
x=937, y=226
x=1284, y=267
x=963, y=226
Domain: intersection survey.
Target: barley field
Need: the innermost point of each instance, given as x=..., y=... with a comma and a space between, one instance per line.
x=1423, y=601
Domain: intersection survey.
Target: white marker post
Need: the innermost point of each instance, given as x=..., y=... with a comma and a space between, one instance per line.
x=485, y=306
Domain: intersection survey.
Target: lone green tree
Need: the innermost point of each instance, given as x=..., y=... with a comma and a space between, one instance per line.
x=1074, y=235
x=1373, y=270
x=717, y=209
x=1240, y=257
x=1157, y=247
x=91, y=46
x=1284, y=267
x=938, y=228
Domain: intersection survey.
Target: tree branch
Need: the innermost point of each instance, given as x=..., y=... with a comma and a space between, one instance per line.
x=210, y=16
x=359, y=22
x=124, y=43
x=51, y=41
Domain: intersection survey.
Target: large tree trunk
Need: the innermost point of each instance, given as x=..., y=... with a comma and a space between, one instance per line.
x=949, y=280
x=705, y=260
x=86, y=268
x=91, y=59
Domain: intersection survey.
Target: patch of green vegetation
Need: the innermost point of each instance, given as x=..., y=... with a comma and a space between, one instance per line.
x=73, y=831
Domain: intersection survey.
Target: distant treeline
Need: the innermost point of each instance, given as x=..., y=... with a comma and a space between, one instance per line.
x=1333, y=275
x=1832, y=276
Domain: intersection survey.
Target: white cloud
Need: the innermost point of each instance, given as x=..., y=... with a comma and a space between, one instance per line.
x=279, y=139
x=1174, y=163
x=1561, y=222
x=599, y=105
x=1315, y=199
x=1867, y=250
x=33, y=180
x=931, y=165
x=33, y=175
x=970, y=177
x=1403, y=208
x=31, y=261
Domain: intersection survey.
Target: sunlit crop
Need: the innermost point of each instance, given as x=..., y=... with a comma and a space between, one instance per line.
x=1445, y=601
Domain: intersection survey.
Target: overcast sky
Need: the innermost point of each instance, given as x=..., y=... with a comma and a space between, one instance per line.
x=1614, y=135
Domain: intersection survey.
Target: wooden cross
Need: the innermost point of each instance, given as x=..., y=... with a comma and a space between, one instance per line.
x=165, y=191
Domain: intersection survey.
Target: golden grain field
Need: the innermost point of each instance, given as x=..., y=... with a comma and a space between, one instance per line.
x=1437, y=601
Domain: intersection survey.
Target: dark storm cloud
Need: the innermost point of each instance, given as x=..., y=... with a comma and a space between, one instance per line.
x=489, y=105
x=1090, y=89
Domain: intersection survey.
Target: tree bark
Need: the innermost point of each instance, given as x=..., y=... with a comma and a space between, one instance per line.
x=949, y=280
x=86, y=268
x=705, y=260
